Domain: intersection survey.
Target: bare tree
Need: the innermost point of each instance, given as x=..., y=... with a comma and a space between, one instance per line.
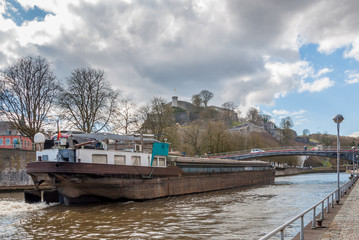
x=266, y=118
x=306, y=132
x=141, y=116
x=253, y=116
x=192, y=138
x=27, y=93
x=286, y=123
x=196, y=100
x=216, y=137
x=206, y=96
x=158, y=116
x=229, y=114
x=125, y=116
x=87, y=100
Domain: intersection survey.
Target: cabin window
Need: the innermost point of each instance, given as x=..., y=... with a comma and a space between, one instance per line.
x=1, y=141
x=7, y=140
x=120, y=159
x=136, y=160
x=99, y=158
x=155, y=162
x=161, y=161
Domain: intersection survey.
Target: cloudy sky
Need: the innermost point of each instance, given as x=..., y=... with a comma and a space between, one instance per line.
x=287, y=58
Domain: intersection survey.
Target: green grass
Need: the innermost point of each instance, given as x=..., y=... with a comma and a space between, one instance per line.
x=327, y=164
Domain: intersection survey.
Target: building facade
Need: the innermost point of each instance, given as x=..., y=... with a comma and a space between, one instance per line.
x=11, y=139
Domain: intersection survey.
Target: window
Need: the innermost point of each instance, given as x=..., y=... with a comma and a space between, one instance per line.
x=1, y=141
x=136, y=160
x=8, y=142
x=120, y=159
x=99, y=158
x=161, y=161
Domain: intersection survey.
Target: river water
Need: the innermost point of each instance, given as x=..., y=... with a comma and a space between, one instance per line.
x=229, y=214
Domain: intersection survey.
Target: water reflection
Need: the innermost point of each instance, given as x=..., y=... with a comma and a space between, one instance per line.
x=229, y=214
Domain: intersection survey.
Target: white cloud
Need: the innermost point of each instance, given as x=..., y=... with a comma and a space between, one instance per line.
x=323, y=71
x=300, y=121
x=352, y=77
x=353, y=51
x=335, y=28
x=243, y=51
x=297, y=116
x=283, y=112
x=280, y=112
x=316, y=86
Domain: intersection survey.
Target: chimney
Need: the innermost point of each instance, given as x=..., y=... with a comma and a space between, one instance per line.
x=174, y=101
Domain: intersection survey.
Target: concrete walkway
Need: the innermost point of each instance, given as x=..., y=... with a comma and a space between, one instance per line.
x=345, y=225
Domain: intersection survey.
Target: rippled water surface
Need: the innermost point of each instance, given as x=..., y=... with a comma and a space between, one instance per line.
x=229, y=214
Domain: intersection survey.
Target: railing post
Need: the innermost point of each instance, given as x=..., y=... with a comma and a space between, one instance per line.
x=322, y=214
x=328, y=204
x=333, y=200
x=282, y=234
x=302, y=227
x=313, y=221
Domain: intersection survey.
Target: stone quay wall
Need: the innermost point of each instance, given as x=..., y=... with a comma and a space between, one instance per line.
x=12, y=168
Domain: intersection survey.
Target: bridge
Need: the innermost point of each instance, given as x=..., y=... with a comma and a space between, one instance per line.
x=331, y=153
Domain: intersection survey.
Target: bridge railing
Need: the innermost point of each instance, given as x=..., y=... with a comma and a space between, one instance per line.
x=309, y=148
x=329, y=200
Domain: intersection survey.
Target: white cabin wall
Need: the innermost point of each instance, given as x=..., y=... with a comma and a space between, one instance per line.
x=85, y=156
x=51, y=154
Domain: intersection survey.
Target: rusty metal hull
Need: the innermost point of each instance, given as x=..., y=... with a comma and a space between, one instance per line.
x=75, y=180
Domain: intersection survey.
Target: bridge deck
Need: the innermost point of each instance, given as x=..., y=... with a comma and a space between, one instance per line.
x=344, y=154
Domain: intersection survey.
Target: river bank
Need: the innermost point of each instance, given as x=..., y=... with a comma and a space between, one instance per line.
x=282, y=172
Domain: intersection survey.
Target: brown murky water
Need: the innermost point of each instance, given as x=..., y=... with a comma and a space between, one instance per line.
x=229, y=214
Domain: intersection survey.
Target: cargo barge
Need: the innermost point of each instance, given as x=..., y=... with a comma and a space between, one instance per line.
x=100, y=167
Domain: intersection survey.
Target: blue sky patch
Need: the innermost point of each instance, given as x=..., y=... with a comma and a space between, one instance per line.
x=18, y=14
x=326, y=99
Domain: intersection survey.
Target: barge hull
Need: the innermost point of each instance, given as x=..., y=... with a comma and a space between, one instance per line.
x=82, y=182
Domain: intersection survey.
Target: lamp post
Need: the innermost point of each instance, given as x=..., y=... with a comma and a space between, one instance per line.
x=338, y=119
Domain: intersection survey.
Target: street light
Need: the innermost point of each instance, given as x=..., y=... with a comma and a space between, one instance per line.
x=338, y=119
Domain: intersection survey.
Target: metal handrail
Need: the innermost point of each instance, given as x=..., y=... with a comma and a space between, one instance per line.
x=342, y=191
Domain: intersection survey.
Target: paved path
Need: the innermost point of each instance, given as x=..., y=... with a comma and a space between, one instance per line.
x=345, y=225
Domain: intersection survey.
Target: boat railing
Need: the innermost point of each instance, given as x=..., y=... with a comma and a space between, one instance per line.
x=328, y=200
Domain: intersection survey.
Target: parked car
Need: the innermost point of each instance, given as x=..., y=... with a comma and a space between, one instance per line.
x=256, y=150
